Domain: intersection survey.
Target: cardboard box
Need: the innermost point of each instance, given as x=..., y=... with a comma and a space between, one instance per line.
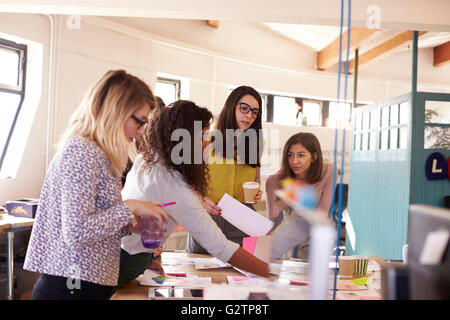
x=25, y=208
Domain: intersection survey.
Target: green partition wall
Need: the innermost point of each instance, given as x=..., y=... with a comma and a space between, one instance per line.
x=387, y=172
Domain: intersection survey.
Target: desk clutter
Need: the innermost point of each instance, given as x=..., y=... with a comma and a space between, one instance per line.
x=289, y=280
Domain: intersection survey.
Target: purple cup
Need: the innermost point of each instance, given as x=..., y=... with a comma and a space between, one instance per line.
x=151, y=234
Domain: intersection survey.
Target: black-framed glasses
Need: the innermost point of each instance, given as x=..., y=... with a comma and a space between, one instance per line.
x=245, y=108
x=139, y=122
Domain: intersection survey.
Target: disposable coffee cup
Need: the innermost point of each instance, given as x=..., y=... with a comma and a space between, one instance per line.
x=250, y=188
x=151, y=234
x=346, y=265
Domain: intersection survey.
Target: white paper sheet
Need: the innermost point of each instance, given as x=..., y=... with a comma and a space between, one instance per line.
x=244, y=218
x=210, y=263
x=149, y=279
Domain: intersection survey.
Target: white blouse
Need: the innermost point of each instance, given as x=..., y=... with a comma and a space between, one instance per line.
x=162, y=184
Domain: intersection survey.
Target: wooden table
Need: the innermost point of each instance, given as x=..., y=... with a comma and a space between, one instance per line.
x=171, y=263
x=10, y=225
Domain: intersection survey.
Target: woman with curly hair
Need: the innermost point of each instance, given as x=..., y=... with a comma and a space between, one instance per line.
x=233, y=159
x=163, y=171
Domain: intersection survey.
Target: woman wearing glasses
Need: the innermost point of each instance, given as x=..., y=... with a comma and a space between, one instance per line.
x=234, y=158
x=75, y=242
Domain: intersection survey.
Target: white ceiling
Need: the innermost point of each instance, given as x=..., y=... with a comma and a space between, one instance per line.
x=394, y=14
x=314, y=36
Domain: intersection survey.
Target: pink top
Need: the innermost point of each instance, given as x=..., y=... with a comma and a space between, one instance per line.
x=323, y=188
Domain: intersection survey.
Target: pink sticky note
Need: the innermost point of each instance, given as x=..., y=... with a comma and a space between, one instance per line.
x=299, y=283
x=369, y=298
x=249, y=244
x=240, y=278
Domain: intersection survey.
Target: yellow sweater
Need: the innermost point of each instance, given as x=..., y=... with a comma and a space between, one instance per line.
x=227, y=177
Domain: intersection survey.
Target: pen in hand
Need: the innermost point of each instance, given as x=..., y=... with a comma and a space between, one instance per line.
x=167, y=204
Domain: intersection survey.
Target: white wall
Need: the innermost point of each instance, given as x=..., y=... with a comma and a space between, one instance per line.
x=83, y=55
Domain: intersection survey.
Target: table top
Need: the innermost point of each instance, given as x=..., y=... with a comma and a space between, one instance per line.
x=173, y=262
x=8, y=222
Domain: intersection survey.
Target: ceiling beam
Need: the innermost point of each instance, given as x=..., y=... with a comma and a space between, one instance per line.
x=441, y=54
x=382, y=49
x=213, y=23
x=329, y=56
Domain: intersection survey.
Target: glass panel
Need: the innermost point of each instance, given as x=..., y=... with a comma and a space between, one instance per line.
x=404, y=112
x=384, y=140
x=9, y=66
x=9, y=103
x=437, y=138
x=366, y=116
x=374, y=121
x=365, y=141
x=166, y=91
x=393, y=139
x=285, y=111
x=385, y=117
x=312, y=113
x=358, y=120
x=357, y=142
x=394, y=115
x=403, y=138
x=373, y=140
x=437, y=112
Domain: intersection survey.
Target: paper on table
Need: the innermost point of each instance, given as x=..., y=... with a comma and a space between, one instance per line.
x=244, y=218
x=246, y=280
x=149, y=277
x=210, y=263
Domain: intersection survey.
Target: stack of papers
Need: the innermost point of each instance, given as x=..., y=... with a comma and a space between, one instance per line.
x=210, y=263
x=154, y=279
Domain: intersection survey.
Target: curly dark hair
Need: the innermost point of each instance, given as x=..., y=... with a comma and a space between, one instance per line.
x=159, y=143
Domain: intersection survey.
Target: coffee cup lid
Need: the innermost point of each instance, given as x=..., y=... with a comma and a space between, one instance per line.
x=250, y=184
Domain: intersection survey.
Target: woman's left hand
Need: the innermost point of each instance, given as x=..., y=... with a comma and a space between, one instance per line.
x=156, y=265
x=156, y=262
x=258, y=196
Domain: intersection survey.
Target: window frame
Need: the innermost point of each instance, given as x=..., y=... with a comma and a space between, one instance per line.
x=172, y=81
x=19, y=89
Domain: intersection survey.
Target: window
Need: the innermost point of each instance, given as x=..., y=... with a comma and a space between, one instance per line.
x=285, y=111
x=437, y=130
x=264, y=109
x=339, y=115
x=12, y=89
x=168, y=89
x=312, y=112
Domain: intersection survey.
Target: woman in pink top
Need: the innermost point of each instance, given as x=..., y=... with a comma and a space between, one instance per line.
x=302, y=160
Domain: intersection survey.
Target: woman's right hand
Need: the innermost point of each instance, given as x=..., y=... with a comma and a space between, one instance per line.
x=210, y=206
x=146, y=209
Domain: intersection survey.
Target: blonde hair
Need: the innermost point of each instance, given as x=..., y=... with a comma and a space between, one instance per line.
x=103, y=112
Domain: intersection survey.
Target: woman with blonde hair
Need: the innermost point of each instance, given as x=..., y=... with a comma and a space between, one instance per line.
x=75, y=241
